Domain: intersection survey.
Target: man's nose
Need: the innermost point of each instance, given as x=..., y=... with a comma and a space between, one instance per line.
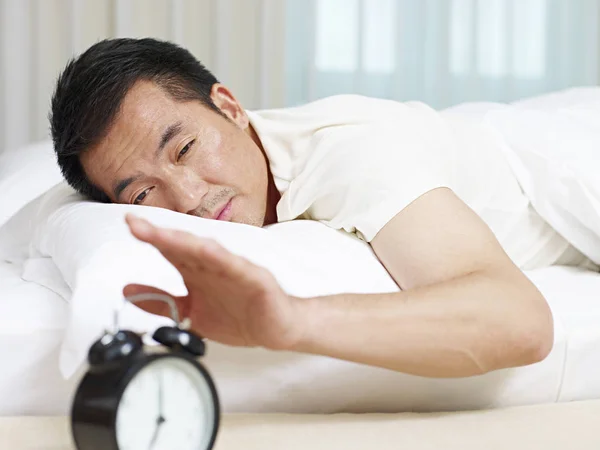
x=188, y=191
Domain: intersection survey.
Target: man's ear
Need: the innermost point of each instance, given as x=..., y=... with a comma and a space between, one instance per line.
x=229, y=105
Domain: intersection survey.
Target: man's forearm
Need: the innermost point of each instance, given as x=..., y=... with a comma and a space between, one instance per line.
x=461, y=327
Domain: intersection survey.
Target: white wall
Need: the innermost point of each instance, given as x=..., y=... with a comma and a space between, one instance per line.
x=241, y=41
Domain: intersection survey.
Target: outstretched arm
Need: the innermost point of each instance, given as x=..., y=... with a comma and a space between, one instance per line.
x=465, y=308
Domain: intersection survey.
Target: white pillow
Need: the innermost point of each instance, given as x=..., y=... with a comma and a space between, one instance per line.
x=95, y=253
x=93, y=249
x=559, y=99
x=17, y=232
x=25, y=173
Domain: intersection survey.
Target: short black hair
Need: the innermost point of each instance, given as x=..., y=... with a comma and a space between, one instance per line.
x=91, y=88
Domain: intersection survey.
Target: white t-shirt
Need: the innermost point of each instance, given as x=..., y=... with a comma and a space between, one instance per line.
x=354, y=162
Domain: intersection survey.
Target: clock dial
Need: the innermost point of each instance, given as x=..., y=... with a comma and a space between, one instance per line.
x=168, y=404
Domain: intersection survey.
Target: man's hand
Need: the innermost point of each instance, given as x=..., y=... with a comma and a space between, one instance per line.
x=230, y=300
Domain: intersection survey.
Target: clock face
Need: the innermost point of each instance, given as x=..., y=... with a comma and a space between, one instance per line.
x=168, y=404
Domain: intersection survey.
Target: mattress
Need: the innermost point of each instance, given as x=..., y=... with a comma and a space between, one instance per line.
x=32, y=320
x=541, y=427
x=256, y=380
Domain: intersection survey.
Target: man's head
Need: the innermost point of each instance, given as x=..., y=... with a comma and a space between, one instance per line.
x=141, y=121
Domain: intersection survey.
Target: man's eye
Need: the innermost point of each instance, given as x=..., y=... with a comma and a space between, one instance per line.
x=140, y=198
x=185, y=149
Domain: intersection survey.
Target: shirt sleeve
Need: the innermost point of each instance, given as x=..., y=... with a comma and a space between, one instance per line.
x=360, y=176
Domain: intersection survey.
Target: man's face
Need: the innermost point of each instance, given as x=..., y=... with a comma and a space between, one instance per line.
x=182, y=156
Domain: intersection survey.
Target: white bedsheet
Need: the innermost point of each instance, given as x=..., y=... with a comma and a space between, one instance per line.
x=32, y=322
x=553, y=146
x=300, y=383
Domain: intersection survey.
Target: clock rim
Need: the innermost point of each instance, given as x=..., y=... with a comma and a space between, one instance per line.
x=135, y=365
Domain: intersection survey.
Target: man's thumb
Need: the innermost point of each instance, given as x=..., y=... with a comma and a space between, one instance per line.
x=136, y=289
x=153, y=306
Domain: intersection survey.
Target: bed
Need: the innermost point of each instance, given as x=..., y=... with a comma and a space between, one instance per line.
x=552, y=404
x=36, y=398
x=33, y=320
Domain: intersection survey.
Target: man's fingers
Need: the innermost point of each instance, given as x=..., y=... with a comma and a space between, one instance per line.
x=185, y=250
x=190, y=254
x=153, y=306
x=135, y=289
x=165, y=240
x=223, y=261
x=173, y=244
x=140, y=228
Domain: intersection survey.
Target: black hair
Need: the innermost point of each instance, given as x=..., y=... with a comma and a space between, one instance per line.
x=91, y=88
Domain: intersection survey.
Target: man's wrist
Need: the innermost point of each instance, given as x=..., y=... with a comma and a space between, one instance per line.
x=300, y=331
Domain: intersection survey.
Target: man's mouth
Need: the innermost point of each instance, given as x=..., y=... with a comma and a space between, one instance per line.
x=224, y=213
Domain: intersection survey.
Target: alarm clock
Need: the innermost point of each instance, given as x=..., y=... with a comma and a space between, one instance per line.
x=139, y=397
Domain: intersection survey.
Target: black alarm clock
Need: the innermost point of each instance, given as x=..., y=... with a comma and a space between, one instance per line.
x=151, y=398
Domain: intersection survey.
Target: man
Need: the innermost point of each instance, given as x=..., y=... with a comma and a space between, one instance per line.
x=143, y=122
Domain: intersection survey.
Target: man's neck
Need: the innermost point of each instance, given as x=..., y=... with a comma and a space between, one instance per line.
x=273, y=195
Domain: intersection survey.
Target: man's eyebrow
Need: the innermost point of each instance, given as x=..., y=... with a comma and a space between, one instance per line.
x=171, y=131
x=122, y=185
x=168, y=134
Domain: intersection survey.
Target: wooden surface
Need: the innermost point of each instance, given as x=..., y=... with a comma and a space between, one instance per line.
x=549, y=427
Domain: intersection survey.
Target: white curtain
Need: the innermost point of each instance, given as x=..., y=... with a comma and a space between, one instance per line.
x=273, y=53
x=241, y=41
x=440, y=51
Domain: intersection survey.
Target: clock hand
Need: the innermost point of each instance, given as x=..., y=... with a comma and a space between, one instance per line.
x=160, y=399
x=160, y=420
x=155, y=435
